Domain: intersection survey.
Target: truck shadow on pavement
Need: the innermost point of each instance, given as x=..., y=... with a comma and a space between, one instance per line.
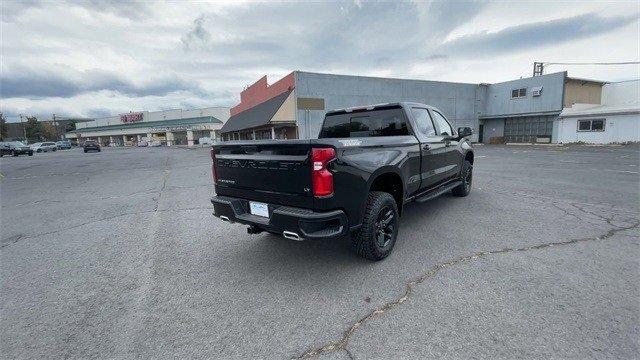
x=335, y=255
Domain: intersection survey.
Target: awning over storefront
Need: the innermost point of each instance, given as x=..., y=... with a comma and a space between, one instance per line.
x=259, y=115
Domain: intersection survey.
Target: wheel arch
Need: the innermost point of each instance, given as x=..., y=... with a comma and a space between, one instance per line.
x=390, y=181
x=469, y=156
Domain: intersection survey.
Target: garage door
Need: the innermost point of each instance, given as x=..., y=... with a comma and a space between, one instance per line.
x=529, y=129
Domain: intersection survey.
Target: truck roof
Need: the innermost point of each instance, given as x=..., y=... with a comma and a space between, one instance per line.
x=377, y=106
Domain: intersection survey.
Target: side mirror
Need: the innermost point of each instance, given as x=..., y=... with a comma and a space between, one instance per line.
x=464, y=131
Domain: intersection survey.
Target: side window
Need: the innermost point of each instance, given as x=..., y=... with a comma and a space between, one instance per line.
x=591, y=125
x=442, y=124
x=584, y=125
x=518, y=93
x=597, y=125
x=423, y=120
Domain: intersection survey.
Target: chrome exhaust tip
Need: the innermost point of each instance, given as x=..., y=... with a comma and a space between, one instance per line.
x=292, y=236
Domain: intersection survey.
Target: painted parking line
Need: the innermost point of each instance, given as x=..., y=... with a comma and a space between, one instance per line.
x=622, y=171
x=590, y=169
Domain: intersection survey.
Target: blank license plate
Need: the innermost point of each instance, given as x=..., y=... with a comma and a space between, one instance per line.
x=258, y=208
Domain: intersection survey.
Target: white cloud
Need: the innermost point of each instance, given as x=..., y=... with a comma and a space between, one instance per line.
x=94, y=57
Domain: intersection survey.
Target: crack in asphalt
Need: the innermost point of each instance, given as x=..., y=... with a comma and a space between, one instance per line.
x=165, y=175
x=343, y=342
x=567, y=212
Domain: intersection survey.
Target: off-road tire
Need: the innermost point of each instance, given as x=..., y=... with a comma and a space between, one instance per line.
x=365, y=242
x=466, y=176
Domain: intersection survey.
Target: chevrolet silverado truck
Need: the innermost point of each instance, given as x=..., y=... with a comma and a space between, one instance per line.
x=354, y=180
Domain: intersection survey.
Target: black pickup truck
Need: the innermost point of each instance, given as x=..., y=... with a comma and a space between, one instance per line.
x=366, y=164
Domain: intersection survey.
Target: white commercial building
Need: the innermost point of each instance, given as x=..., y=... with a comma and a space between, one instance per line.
x=169, y=127
x=615, y=120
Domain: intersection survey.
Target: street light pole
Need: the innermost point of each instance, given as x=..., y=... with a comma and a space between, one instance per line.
x=24, y=129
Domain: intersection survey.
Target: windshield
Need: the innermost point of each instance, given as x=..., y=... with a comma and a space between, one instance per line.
x=17, y=143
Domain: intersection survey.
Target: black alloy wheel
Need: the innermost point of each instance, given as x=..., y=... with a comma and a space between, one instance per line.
x=376, y=237
x=384, y=227
x=466, y=179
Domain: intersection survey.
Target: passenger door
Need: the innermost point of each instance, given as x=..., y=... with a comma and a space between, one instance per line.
x=432, y=149
x=451, y=155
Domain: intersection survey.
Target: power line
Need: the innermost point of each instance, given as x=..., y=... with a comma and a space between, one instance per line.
x=538, y=66
x=593, y=63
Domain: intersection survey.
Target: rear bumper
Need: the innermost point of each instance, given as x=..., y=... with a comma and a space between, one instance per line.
x=284, y=220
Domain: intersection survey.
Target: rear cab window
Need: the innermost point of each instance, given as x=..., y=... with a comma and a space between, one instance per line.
x=385, y=121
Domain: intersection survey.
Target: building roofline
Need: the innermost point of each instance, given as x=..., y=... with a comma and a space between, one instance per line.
x=157, y=111
x=601, y=110
x=505, y=116
x=384, y=78
x=587, y=80
x=143, y=124
x=623, y=81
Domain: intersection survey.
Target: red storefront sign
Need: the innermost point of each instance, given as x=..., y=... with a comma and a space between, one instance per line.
x=131, y=117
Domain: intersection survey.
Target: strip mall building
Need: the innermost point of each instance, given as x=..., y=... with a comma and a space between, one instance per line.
x=523, y=110
x=169, y=127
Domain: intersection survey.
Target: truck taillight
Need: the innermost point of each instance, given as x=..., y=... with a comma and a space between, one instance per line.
x=213, y=166
x=321, y=177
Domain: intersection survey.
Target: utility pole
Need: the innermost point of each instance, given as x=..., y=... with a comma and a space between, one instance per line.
x=538, y=68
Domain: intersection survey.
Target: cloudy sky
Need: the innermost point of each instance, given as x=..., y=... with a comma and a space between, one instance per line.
x=100, y=57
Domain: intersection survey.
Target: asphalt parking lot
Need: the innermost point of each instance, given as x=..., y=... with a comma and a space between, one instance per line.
x=116, y=255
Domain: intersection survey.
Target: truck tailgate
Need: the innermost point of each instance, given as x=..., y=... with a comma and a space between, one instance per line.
x=277, y=172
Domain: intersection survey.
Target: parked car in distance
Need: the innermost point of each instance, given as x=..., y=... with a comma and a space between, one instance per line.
x=143, y=143
x=15, y=148
x=44, y=146
x=63, y=145
x=91, y=145
x=354, y=180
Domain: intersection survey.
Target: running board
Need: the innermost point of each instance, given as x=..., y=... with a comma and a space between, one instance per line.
x=438, y=191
